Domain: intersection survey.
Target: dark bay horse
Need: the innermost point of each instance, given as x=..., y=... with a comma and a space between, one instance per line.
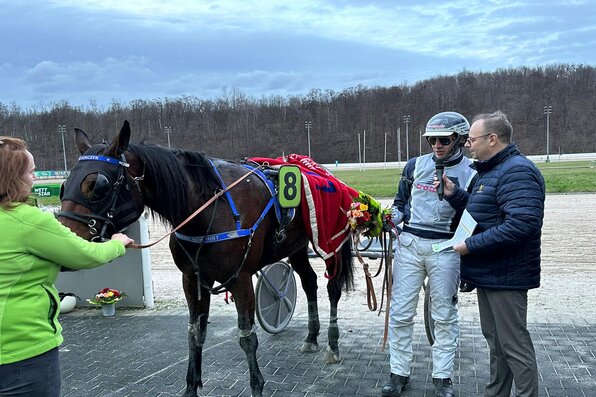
x=109, y=188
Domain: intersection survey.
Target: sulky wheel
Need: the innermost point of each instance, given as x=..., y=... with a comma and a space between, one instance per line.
x=275, y=295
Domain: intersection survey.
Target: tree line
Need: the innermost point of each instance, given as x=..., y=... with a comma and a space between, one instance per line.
x=356, y=124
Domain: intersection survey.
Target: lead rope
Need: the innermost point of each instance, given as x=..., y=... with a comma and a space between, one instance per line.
x=197, y=212
x=371, y=298
x=388, y=282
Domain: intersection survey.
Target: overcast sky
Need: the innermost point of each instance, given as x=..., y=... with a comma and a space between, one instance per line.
x=97, y=51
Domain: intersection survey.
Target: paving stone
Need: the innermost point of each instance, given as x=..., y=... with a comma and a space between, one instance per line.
x=146, y=355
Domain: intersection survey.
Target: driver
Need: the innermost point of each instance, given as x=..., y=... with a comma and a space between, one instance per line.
x=427, y=219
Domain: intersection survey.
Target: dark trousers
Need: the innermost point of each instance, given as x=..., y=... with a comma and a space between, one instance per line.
x=503, y=319
x=34, y=377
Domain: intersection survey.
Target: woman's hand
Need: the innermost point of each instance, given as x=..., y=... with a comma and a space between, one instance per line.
x=124, y=238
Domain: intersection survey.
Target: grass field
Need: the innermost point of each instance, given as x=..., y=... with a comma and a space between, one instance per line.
x=564, y=177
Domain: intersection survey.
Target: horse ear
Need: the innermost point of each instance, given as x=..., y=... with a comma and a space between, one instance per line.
x=120, y=143
x=81, y=140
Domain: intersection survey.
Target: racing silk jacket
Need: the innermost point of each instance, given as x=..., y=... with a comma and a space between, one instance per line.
x=33, y=246
x=417, y=203
x=507, y=201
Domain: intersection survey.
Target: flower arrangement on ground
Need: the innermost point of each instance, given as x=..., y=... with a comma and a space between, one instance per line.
x=366, y=215
x=107, y=296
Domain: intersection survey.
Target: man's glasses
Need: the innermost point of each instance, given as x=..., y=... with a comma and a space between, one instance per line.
x=471, y=140
x=445, y=140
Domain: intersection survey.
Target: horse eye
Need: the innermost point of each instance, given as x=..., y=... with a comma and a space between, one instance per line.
x=99, y=188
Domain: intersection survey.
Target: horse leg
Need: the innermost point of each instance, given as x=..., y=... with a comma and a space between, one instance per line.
x=308, y=278
x=197, y=331
x=244, y=298
x=334, y=291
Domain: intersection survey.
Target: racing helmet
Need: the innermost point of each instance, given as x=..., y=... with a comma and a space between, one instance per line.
x=447, y=124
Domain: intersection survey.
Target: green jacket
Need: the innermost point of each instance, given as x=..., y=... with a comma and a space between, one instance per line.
x=33, y=246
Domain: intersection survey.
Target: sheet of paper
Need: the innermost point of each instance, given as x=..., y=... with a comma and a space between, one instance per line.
x=466, y=227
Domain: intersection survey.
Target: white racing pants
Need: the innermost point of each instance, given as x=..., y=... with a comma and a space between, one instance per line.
x=414, y=261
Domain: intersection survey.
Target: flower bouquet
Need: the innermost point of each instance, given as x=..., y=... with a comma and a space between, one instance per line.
x=366, y=215
x=107, y=296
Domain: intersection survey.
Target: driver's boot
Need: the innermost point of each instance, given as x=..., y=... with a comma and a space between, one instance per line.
x=396, y=385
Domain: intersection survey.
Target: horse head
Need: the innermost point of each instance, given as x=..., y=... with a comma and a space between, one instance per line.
x=102, y=195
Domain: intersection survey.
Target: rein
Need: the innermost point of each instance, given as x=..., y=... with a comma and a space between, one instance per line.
x=197, y=212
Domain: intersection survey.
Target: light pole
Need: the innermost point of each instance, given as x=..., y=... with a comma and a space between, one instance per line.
x=168, y=131
x=398, y=145
x=61, y=131
x=385, y=153
x=548, y=109
x=407, y=121
x=308, y=125
x=359, y=154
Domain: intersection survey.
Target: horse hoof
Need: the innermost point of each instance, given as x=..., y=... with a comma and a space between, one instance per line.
x=331, y=357
x=308, y=347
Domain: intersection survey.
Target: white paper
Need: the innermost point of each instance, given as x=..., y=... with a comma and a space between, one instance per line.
x=466, y=227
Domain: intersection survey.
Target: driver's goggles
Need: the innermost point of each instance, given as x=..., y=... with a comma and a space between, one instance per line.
x=444, y=140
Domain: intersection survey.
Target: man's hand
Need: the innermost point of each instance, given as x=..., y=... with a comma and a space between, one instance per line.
x=448, y=186
x=461, y=248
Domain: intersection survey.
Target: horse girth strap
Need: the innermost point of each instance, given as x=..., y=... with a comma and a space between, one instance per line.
x=197, y=212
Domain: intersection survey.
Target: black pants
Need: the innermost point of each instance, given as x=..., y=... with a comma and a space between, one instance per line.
x=503, y=321
x=34, y=377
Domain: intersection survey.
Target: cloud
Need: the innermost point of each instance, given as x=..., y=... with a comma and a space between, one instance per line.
x=72, y=50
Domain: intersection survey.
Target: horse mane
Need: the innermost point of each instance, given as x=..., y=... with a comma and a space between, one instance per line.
x=178, y=175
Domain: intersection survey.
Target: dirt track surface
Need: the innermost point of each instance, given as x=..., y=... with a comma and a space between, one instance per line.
x=567, y=293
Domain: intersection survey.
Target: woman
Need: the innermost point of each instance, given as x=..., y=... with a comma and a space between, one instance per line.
x=33, y=247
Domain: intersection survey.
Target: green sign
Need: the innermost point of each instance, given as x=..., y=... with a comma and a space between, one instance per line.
x=46, y=190
x=290, y=183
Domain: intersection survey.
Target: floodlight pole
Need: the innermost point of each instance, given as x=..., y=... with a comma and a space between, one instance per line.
x=407, y=119
x=308, y=126
x=61, y=131
x=168, y=131
x=548, y=109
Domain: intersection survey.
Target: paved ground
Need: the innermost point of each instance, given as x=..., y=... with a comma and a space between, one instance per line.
x=144, y=353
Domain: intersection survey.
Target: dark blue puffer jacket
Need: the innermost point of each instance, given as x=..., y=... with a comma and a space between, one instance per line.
x=507, y=201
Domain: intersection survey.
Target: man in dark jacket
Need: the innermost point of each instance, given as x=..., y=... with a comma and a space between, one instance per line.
x=502, y=259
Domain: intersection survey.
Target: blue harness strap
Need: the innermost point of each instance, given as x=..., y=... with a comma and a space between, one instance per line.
x=228, y=196
x=239, y=232
x=214, y=238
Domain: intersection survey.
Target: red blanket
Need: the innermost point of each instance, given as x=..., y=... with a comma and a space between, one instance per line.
x=325, y=202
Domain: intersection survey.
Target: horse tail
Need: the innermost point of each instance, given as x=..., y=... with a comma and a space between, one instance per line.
x=345, y=277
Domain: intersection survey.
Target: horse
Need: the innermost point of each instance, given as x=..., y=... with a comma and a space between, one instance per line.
x=112, y=183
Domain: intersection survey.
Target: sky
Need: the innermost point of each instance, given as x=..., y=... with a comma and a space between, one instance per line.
x=96, y=52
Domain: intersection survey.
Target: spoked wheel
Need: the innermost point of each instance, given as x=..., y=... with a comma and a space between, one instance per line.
x=429, y=323
x=275, y=295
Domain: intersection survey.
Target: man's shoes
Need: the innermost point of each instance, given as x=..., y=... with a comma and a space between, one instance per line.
x=396, y=385
x=443, y=387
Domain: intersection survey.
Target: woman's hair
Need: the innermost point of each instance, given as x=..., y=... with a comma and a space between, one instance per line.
x=14, y=162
